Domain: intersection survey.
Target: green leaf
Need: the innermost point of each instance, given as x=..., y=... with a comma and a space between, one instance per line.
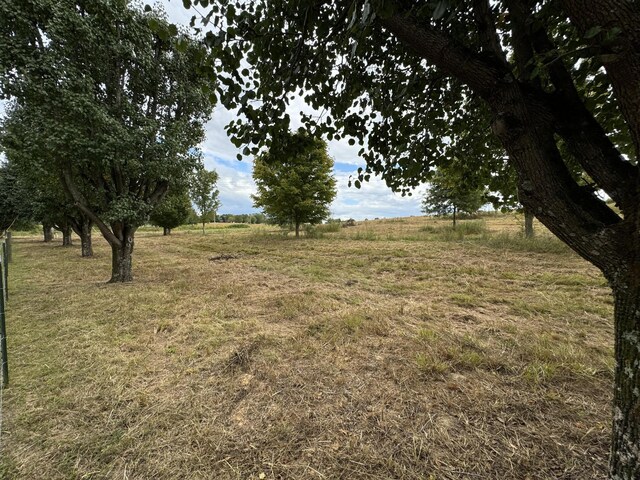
x=592, y=32
x=440, y=10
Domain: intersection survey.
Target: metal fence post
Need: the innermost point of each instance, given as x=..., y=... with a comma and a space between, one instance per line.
x=3, y=328
x=8, y=241
x=5, y=269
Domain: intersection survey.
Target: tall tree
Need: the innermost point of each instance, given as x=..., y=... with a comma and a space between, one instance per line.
x=452, y=195
x=553, y=80
x=294, y=180
x=204, y=194
x=121, y=105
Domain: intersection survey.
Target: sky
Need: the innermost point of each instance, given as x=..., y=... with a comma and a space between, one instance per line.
x=373, y=200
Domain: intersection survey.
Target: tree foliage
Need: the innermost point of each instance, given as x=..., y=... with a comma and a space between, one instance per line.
x=451, y=195
x=294, y=180
x=204, y=194
x=172, y=211
x=115, y=108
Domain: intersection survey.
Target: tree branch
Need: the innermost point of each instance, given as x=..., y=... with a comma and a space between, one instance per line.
x=489, y=39
x=81, y=203
x=454, y=59
x=584, y=135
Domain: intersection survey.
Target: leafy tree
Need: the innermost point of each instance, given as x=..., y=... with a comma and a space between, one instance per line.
x=172, y=211
x=120, y=107
x=204, y=194
x=16, y=207
x=294, y=180
x=48, y=202
x=555, y=82
x=448, y=195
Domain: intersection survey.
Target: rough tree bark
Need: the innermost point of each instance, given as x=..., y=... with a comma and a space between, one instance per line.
x=122, y=254
x=85, y=238
x=66, y=235
x=528, y=223
x=624, y=464
x=83, y=229
x=47, y=230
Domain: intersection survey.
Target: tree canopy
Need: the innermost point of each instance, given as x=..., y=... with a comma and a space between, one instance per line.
x=115, y=108
x=204, y=194
x=451, y=195
x=294, y=180
x=172, y=211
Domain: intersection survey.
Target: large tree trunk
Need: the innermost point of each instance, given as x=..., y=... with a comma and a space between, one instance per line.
x=47, y=229
x=166, y=231
x=528, y=223
x=625, y=446
x=66, y=235
x=121, y=259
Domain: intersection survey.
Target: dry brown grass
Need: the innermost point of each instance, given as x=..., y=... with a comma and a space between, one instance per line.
x=382, y=351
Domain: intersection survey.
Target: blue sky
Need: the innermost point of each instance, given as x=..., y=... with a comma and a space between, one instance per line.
x=373, y=200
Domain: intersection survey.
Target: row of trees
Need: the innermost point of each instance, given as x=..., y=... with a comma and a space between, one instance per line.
x=107, y=109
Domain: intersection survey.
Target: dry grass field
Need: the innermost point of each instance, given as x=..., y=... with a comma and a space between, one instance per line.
x=396, y=349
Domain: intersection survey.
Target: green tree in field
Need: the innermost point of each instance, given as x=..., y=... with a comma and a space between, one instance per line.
x=172, y=211
x=49, y=203
x=294, y=180
x=118, y=105
x=549, y=83
x=448, y=195
x=205, y=195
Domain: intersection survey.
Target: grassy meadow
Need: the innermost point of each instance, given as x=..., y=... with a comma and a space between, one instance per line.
x=395, y=349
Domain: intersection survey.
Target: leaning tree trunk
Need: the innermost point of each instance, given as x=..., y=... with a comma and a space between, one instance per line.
x=528, y=223
x=47, y=229
x=625, y=447
x=121, y=258
x=66, y=235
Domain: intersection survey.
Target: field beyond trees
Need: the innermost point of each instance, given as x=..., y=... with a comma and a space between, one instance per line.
x=393, y=349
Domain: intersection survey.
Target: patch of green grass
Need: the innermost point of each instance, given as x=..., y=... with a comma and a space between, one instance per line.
x=517, y=242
